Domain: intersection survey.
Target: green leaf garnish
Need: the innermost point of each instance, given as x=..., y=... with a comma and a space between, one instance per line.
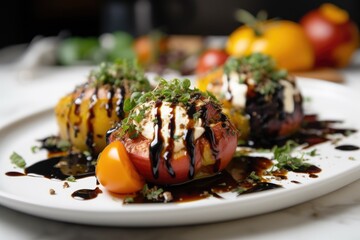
x=35, y=149
x=71, y=179
x=129, y=199
x=253, y=176
x=17, y=160
x=123, y=72
x=259, y=67
x=284, y=158
x=175, y=91
x=152, y=194
x=312, y=153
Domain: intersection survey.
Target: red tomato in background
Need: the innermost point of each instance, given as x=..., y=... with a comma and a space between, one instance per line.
x=333, y=35
x=211, y=59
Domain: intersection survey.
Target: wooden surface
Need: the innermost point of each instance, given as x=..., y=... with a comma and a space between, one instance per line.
x=328, y=74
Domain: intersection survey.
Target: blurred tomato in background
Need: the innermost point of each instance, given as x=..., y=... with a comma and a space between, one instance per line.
x=211, y=59
x=334, y=36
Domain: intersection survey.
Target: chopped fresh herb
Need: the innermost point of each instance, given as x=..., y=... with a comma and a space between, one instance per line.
x=177, y=137
x=87, y=154
x=263, y=150
x=196, y=115
x=307, y=99
x=253, y=176
x=123, y=72
x=129, y=199
x=17, y=160
x=312, y=153
x=35, y=149
x=63, y=145
x=241, y=142
x=71, y=179
x=259, y=67
x=286, y=149
x=152, y=194
x=55, y=143
x=175, y=91
x=284, y=158
x=351, y=158
x=239, y=190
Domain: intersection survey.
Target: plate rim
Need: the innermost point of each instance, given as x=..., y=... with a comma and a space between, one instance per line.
x=10, y=200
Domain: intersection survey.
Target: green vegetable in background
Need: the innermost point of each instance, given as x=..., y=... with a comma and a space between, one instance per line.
x=108, y=47
x=75, y=50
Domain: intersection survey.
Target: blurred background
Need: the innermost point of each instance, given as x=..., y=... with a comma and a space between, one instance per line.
x=22, y=20
x=74, y=30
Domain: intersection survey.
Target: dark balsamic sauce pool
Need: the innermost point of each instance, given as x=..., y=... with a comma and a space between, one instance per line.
x=235, y=177
x=86, y=194
x=347, y=148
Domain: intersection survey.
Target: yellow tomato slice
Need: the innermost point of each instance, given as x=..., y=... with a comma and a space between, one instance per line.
x=116, y=172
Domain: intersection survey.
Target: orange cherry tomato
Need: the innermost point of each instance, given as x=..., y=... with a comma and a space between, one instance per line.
x=116, y=172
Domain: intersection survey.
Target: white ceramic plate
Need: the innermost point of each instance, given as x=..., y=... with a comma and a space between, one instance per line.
x=31, y=194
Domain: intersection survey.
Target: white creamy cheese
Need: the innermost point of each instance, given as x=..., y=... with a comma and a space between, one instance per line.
x=181, y=121
x=235, y=89
x=232, y=88
x=289, y=92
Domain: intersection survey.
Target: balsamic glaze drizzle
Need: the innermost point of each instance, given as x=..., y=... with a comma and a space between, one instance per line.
x=228, y=94
x=168, y=153
x=156, y=146
x=120, y=103
x=86, y=194
x=90, y=125
x=76, y=165
x=189, y=141
x=347, y=148
x=239, y=169
x=77, y=110
x=109, y=103
x=68, y=127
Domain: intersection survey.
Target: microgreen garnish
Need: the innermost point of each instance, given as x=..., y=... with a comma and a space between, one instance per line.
x=175, y=91
x=53, y=143
x=259, y=67
x=71, y=179
x=284, y=158
x=129, y=199
x=312, y=153
x=239, y=190
x=118, y=72
x=152, y=194
x=17, y=160
x=253, y=176
x=35, y=149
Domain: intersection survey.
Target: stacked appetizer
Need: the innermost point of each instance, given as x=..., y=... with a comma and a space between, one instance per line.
x=175, y=134
x=262, y=101
x=85, y=115
x=172, y=135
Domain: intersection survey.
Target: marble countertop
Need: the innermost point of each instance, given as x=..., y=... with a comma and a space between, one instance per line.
x=332, y=216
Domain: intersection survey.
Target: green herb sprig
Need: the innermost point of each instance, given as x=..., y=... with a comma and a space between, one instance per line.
x=17, y=160
x=284, y=158
x=152, y=194
x=175, y=91
x=259, y=67
x=119, y=71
